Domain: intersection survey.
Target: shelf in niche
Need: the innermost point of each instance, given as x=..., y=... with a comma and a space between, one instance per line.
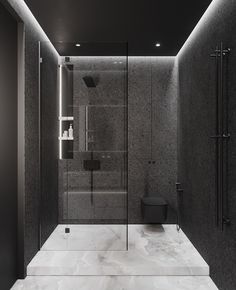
x=76, y=151
x=66, y=138
x=102, y=106
x=118, y=71
x=69, y=118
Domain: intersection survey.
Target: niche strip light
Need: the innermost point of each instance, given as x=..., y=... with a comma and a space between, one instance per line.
x=202, y=23
x=60, y=111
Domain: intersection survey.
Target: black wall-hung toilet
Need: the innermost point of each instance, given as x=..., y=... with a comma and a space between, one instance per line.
x=154, y=210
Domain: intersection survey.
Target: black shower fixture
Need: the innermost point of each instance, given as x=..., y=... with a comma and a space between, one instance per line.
x=89, y=81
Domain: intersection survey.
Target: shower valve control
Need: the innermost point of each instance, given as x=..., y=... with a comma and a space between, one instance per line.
x=226, y=221
x=224, y=136
x=178, y=189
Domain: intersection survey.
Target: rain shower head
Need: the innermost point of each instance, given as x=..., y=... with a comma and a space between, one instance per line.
x=89, y=81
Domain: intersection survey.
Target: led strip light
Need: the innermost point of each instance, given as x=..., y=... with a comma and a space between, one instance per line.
x=60, y=111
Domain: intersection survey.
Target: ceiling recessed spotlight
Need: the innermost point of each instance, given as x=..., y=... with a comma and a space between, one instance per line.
x=157, y=44
x=77, y=44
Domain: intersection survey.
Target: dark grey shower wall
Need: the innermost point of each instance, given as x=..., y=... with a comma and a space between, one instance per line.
x=33, y=34
x=32, y=143
x=152, y=95
x=152, y=119
x=49, y=143
x=196, y=150
x=106, y=121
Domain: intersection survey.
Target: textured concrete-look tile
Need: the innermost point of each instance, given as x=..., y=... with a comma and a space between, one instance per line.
x=152, y=128
x=152, y=131
x=197, y=151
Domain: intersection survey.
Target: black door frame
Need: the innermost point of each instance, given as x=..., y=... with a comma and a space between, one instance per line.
x=21, y=152
x=21, y=267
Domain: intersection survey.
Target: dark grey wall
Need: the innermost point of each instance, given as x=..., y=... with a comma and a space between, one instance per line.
x=196, y=150
x=107, y=125
x=8, y=149
x=32, y=142
x=152, y=120
x=49, y=142
x=152, y=136
x=33, y=34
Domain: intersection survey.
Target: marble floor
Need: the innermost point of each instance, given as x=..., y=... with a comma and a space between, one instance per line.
x=153, y=250
x=115, y=283
x=159, y=258
x=87, y=238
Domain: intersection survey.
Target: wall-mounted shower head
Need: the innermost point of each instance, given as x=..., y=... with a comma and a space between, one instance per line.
x=89, y=81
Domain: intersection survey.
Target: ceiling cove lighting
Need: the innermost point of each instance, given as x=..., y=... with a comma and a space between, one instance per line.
x=23, y=10
x=202, y=24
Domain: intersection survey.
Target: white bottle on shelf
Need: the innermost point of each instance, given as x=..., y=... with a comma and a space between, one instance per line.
x=70, y=131
x=65, y=134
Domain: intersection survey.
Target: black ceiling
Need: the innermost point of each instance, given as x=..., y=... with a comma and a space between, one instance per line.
x=141, y=23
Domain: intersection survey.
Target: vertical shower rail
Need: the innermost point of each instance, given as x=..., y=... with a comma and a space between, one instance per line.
x=221, y=136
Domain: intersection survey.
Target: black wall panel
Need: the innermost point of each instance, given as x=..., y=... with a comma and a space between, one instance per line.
x=33, y=136
x=37, y=140
x=196, y=150
x=49, y=142
x=8, y=149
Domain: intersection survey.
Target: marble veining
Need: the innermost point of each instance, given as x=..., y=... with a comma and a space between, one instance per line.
x=153, y=250
x=115, y=283
x=87, y=237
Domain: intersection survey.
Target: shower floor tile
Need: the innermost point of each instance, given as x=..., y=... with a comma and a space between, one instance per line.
x=87, y=237
x=153, y=250
x=115, y=283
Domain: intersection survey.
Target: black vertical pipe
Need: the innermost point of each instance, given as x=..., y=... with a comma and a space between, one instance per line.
x=40, y=145
x=226, y=130
x=221, y=145
x=220, y=140
x=217, y=141
x=126, y=73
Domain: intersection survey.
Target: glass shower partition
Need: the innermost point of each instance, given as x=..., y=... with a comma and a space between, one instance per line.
x=93, y=212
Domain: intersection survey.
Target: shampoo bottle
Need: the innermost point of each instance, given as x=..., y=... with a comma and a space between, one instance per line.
x=70, y=131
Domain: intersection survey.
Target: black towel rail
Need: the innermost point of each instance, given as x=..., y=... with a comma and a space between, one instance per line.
x=221, y=136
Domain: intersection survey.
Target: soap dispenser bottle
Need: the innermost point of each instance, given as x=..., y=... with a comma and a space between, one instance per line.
x=70, y=131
